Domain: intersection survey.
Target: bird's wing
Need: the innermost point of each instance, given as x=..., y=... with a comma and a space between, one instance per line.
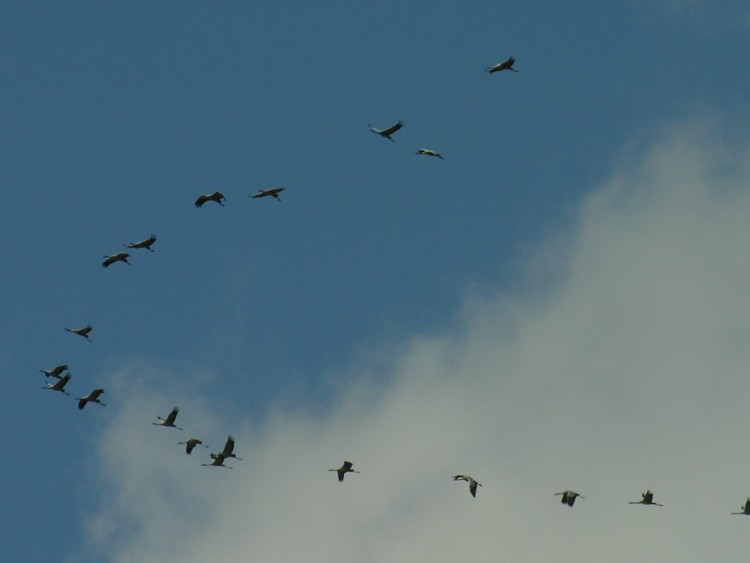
x=61, y=382
x=393, y=128
x=172, y=416
x=228, y=447
x=201, y=200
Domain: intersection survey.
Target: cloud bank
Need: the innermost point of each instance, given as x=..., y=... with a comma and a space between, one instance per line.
x=627, y=371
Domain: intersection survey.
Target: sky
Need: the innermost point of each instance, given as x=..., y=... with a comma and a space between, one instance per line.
x=558, y=304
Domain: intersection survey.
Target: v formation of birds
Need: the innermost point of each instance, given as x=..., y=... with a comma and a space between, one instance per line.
x=62, y=375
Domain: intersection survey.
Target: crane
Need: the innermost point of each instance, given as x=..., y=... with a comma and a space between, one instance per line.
x=648, y=498
x=273, y=192
x=169, y=421
x=745, y=509
x=191, y=443
x=118, y=257
x=228, y=450
x=92, y=397
x=59, y=385
x=146, y=243
x=55, y=371
x=507, y=64
x=386, y=133
x=218, y=197
x=472, y=483
x=569, y=497
x=345, y=468
x=218, y=461
x=430, y=152
x=83, y=331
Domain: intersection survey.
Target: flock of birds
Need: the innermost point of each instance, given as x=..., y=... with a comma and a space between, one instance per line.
x=61, y=375
x=58, y=373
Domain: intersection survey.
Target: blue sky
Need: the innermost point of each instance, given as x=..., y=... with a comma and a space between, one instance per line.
x=588, y=208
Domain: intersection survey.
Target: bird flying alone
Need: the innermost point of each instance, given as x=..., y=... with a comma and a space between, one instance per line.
x=146, y=243
x=112, y=258
x=430, y=152
x=472, y=483
x=343, y=470
x=92, y=397
x=59, y=385
x=270, y=192
x=83, y=331
x=569, y=497
x=648, y=498
x=169, y=421
x=386, y=133
x=55, y=371
x=218, y=197
x=191, y=443
x=507, y=64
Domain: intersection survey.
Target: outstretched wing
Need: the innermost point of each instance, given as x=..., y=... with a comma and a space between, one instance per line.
x=171, y=417
x=60, y=384
x=94, y=395
x=393, y=128
x=228, y=447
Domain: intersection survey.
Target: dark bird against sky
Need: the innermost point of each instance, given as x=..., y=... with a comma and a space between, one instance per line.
x=386, y=133
x=146, y=243
x=92, y=397
x=217, y=197
x=343, y=470
x=473, y=484
x=507, y=64
x=83, y=331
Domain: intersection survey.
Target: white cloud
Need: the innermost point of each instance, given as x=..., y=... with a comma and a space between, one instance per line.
x=629, y=372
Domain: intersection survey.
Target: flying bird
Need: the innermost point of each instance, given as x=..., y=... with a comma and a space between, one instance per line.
x=273, y=192
x=55, y=371
x=472, y=483
x=218, y=461
x=507, y=64
x=228, y=450
x=430, y=152
x=745, y=509
x=142, y=243
x=569, y=497
x=343, y=470
x=92, y=397
x=169, y=421
x=191, y=443
x=218, y=197
x=118, y=257
x=648, y=498
x=59, y=385
x=386, y=133
x=83, y=331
